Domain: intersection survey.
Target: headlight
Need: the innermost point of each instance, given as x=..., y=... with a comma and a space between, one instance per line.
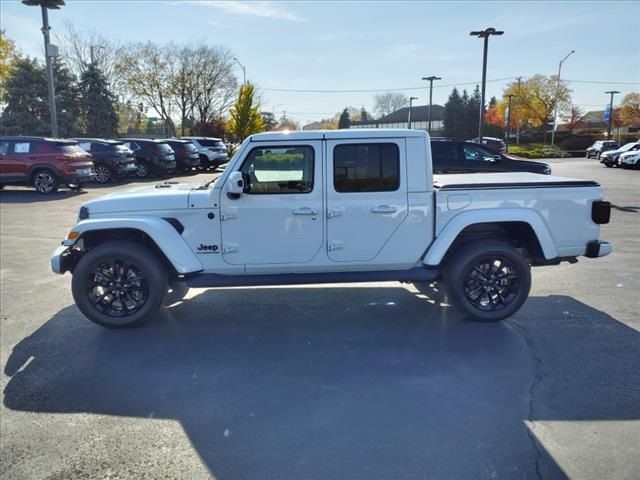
x=547, y=171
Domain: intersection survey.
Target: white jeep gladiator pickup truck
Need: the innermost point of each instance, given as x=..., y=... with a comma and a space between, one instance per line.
x=327, y=207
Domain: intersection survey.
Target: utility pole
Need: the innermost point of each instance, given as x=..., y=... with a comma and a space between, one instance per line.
x=612, y=93
x=555, y=108
x=430, y=80
x=485, y=34
x=508, y=121
x=411, y=99
x=50, y=52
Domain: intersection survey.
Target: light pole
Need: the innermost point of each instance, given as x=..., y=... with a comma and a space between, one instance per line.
x=555, y=108
x=612, y=93
x=50, y=51
x=430, y=80
x=485, y=34
x=508, y=122
x=411, y=99
x=244, y=71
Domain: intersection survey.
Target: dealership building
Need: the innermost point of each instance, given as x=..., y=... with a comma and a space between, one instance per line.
x=400, y=119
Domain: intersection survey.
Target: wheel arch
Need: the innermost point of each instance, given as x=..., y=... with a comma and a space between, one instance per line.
x=33, y=169
x=159, y=235
x=522, y=228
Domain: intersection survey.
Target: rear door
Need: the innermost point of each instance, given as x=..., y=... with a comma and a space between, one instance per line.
x=21, y=155
x=366, y=196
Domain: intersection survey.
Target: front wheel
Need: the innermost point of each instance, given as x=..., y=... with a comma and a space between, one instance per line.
x=119, y=284
x=488, y=281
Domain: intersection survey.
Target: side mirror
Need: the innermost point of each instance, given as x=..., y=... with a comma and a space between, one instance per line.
x=492, y=159
x=235, y=185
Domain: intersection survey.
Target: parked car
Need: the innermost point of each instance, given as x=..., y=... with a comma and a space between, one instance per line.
x=45, y=163
x=213, y=151
x=600, y=146
x=495, y=144
x=110, y=157
x=153, y=157
x=610, y=158
x=458, y=156
x=630, y=159
x=187, y=155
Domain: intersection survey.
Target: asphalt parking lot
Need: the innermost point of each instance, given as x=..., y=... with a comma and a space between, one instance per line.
x=370, y=381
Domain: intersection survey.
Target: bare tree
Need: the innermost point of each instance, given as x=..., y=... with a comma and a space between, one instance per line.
x=389, y=102
x=216, y=85
x=573, y=117
x=76, y=47
x=148, y=72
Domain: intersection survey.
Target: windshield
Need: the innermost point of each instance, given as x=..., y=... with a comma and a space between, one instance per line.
x=628, y=146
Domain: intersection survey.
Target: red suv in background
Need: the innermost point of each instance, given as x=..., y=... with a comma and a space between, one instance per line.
x=45, y=163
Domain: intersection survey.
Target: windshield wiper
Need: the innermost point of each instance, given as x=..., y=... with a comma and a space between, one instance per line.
x=205, y=185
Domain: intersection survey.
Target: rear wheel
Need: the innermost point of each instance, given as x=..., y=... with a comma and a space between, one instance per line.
x=119, y=284
x=488, y=281
x=45, y=182
x=103, y=174
x=143, y=170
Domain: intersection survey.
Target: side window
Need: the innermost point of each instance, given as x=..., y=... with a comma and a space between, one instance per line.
x=275, y=169
x=366, y=167
x=4, y=147
x=22, y=147
x=86, y=146
x=444, y=151
x=474, y=154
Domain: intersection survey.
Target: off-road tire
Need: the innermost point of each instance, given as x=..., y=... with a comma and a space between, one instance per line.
x=487, y=280
x=132, y=270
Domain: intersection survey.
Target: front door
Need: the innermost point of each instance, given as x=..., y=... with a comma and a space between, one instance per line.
x=278, y=219
x=366, y=197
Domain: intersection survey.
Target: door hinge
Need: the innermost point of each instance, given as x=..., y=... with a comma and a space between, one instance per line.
x=334, y=245
x=230, y=248
x=228, y=216
x=335, y=212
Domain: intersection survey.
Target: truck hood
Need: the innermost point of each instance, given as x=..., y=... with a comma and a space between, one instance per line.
x=163, y=196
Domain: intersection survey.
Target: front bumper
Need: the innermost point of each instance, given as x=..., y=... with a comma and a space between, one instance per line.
x=75, y=179
x=61, y=259
x=598, y=248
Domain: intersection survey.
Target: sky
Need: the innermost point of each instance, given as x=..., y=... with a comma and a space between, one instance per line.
x=382, y=46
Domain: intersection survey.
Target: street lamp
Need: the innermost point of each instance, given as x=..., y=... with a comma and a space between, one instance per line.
x=484, y=34
x=508, y=121
x=410, y=109
x=430, y=80
x=50, y=51
x=555, y=108
x=612, y=93
x=244, y=71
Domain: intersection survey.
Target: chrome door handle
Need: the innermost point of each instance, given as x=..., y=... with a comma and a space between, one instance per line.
x=384, y=209
x=305, y=211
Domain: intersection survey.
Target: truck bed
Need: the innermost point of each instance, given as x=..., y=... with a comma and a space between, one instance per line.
x=563, y=204
x=491, y=181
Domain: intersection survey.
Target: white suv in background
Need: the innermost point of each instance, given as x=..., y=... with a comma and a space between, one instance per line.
x=213, y=151
x=630, y=159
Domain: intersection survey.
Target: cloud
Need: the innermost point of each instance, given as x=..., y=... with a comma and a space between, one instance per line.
x=265, y=9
